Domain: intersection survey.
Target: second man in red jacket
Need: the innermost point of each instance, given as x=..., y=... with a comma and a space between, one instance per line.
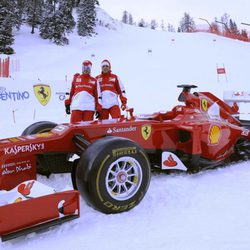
x=111, y=88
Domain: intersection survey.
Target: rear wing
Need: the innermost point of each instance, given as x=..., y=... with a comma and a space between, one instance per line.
x=242, y=99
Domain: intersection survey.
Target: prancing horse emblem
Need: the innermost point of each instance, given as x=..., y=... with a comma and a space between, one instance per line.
x=146, y=131
x=42, y=93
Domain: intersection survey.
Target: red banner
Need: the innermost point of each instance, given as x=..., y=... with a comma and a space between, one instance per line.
x=221, y=71
x=5, y=67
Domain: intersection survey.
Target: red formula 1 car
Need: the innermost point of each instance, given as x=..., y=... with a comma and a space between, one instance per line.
x=114, y=157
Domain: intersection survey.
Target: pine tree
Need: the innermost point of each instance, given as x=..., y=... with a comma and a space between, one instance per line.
x=142, y=23
x=86, y=17
x=46, y=28
x=130, y=19
x=7, y=16
x=162, y=25
x=34, y=10
x=233, y=27
x=125, y=17
x=244, y=34
x=170, y=28
x=187, y=23
x=153, y=24
x=214, y=27
x=19, y=12
x=225, y=21
x=57, y=23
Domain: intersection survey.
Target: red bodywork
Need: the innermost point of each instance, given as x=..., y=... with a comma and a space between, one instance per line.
x=186, y=128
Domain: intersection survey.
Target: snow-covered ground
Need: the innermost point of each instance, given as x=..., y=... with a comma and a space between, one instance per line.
x=209, y=210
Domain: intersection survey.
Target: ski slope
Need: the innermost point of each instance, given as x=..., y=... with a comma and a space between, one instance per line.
x=208, y=210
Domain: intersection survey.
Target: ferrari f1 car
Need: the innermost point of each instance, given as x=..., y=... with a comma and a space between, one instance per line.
x=111, y=160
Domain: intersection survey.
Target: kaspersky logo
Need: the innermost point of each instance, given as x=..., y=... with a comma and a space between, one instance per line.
x=23, y=149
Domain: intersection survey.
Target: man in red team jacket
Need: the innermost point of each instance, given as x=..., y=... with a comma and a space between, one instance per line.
x=84, y=96
x=111, y=87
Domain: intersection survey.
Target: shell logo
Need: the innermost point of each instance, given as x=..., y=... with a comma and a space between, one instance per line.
x=214, y=135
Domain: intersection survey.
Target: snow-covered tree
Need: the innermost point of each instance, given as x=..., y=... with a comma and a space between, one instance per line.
x=34, y=10
x=125, y=17
x=244, y=34
x=170, y=28
x=214, y=27
x=162, y=25
x=142, y=23
x=225, y=21
x=86, y=17
x=233, y=27
x=130, y=19
x=56, y=24
x=187, y=23
x=7, y=16
x=153, y=24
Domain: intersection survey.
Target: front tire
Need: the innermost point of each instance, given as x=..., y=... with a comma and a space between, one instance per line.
x=51, y=162
x=39, y=127
x=113, y=174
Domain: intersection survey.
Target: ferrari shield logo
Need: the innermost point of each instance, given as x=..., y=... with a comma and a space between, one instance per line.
x=204, y=104
x=42, y=93
x=146, y=131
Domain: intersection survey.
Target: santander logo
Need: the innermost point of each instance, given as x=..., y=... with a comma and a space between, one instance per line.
x=170, y=162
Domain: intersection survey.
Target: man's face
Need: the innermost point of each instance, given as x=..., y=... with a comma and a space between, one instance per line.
x=86, y=69
x=105, y=68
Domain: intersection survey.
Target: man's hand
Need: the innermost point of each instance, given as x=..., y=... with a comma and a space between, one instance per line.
x=123, y=106
x=67, y=109
x=97, y=114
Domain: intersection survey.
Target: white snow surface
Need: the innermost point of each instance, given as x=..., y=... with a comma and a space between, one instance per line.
x=204, y=211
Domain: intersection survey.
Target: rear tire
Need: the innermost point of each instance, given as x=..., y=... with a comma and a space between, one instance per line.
x=113, y=174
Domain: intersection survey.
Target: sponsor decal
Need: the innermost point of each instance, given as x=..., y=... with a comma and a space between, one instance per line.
x=23, y=149
x=121, y=130
x=112, y=79
x=15, y=167
x=124, y=151
x=60, y=128
x=14, y=139
x=170, y=162
x=84, y=86
x=245, y=132
x=46, y=134
x=62, y=95
x=214, y=135
x=146, y=131
x=104, y=85
x=117, y=207
x=25, y=189
x=13, y=95
x=238, y=93
x=18, y=199
x=42, y=93
x=204, y=104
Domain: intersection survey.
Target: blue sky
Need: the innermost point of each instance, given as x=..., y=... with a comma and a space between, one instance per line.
x=172, y=11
